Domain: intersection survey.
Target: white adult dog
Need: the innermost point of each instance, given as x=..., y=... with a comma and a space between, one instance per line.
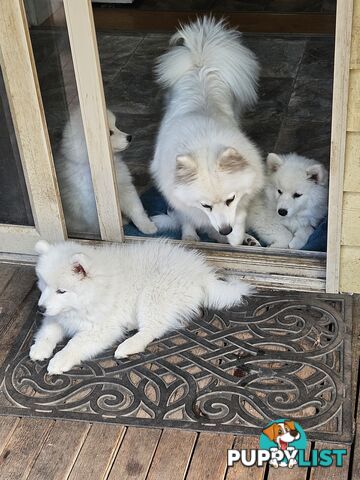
x=95, y=294
x=293, y=202
x=76, y=188
x=205, y=166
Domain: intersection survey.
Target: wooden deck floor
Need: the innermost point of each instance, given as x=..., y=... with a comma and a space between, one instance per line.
x=58, y=450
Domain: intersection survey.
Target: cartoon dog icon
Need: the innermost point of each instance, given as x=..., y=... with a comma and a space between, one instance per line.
x=282, y=433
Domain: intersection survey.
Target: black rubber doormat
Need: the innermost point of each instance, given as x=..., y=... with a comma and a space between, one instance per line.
x=278, y=356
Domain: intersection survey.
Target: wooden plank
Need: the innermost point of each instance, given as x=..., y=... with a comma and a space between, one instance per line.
x=98, y=451
x=350, y=232
x=238, y=470
x=135, y=454
x=355, y=44
x=7, y=428
x=338, y=141
x=353, y=123
x=164, y=21
x=60, y=450
x=295, y=473
x=23, y=447
x=244, y=21
x=332, y=472
x=350, y=267
x=14, y=294
x=352, y=163
x=23, y=92
x=209, y=460
x=6, y=273
x=172, y=456
x=10, y=333
x=80, y=24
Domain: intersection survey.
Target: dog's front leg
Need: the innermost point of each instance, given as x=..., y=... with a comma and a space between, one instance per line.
x=132, y=207
x=188, y=233
x=46, y=339
x=301, y=237
x=83, y=346
x=236, y=237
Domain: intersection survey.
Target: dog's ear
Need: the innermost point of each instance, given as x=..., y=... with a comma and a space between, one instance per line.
x=317, y=173
x=80, y=264
x=231, y=160
x=42, y=247
x=186, y=168
x=271, y=431
x=290, y=424
x=273, y=162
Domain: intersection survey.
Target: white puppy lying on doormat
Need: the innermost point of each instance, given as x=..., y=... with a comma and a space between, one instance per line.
x=94, y=295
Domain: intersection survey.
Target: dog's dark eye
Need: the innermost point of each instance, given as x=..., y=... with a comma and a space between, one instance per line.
x=209, y=207
x=111, y=132
x=279, y=192
x=230, y=200
x=297, y=195
x=60, y=292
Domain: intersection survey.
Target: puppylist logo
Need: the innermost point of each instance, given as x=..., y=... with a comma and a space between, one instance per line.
x=283, y=444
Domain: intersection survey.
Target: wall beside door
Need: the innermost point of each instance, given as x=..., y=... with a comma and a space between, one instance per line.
x=350, y=231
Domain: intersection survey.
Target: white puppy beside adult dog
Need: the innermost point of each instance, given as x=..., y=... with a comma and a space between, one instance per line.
x=95, y=294
x=205, y=166
x=293, y=202
x=75, y=181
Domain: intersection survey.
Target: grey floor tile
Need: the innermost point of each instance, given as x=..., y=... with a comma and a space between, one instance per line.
x=311, y=99
x=308, y=138
x=115, y=51
x=318, y=60
x=278, y=57
x=329, y=6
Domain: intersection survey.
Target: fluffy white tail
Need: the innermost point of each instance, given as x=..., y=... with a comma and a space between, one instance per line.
x=213, y=50
x=226, y=293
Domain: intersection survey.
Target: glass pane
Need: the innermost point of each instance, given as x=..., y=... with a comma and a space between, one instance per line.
x=55, y=70
x=14, y=200
x=292, y=112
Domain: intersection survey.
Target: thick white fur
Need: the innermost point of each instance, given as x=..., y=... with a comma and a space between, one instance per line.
x=212, y=77
x=75, y=182
x=290, y=174
x=95, y=294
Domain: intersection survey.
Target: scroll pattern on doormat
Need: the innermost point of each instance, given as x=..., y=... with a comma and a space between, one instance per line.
x=277, y=356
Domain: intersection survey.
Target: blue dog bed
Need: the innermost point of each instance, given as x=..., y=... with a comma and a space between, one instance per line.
x=155, y=204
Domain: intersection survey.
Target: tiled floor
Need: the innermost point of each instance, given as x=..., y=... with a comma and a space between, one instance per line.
x=295, y=90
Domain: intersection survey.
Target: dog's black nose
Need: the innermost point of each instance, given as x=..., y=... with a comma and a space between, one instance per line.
x=41, y=309
x=129, y=138
x=282, y=212
x=225, y=230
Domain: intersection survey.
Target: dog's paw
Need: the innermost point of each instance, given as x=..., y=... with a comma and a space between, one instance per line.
x=129, y=347
x=296, y=243
x=39, y=352
x=147, y=226
x=251, y=241
x=60, y=363
x=190, y=237
x=279, y=244
x=235, y=240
